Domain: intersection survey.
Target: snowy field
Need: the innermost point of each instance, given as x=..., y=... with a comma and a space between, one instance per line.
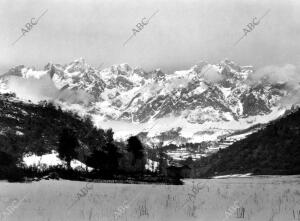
x=260, y=198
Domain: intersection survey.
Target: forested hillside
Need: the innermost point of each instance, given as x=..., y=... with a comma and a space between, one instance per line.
x=30, y=128
x=272, y=150
x=27, y=128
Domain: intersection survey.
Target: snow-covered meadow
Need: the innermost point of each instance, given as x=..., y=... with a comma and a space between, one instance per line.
x=269, y=198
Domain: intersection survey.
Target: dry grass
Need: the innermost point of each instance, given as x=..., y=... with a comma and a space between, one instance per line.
x=269, y=198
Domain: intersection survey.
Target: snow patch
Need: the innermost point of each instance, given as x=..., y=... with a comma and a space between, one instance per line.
x=52, y=159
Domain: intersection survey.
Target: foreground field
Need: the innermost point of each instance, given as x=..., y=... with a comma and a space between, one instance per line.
x=254, y=198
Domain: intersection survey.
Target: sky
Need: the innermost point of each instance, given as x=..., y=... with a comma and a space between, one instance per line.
x=181, y=33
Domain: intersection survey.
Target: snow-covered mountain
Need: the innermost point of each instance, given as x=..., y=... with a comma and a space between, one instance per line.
x=204, y=103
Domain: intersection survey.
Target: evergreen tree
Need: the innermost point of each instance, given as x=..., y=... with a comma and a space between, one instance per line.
x=162, y=162
x=67, y=144
x=112, y=152
x=113, y=157
x=136, y=148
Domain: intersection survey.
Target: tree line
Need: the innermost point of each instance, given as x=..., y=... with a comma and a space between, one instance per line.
x=29, y=128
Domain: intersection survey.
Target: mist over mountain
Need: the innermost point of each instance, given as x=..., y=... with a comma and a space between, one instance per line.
x=205, y=103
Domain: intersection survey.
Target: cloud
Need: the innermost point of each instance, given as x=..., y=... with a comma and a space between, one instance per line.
x=292, y=98
x=43, y=88
x=211, y=74
x=275, y=74
x=288, y=74
x=78, y=96
x=31, y=88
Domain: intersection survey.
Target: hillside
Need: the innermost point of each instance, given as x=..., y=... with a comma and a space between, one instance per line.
x=272, y=150
x=35, y=128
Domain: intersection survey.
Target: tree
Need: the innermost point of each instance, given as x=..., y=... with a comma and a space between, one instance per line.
x=136, y=148
x=162, y=162
x=67, y=144
x=105, y=153
x=113, y=157
x=6, y=159
x=109, y=136
x=98, y=160
x=112, y=151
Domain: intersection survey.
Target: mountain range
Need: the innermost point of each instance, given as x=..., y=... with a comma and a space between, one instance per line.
x=215, y=103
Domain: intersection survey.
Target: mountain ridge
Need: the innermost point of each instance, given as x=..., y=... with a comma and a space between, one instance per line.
x=205, y=98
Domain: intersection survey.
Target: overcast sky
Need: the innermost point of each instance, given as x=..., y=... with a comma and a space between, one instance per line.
x=182, y=33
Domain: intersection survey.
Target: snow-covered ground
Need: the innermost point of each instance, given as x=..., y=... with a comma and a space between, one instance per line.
x=193, y=132
x=233, y=176
x=151, y=165
x=262, y=198
x=183, y=153
x=52, y=159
